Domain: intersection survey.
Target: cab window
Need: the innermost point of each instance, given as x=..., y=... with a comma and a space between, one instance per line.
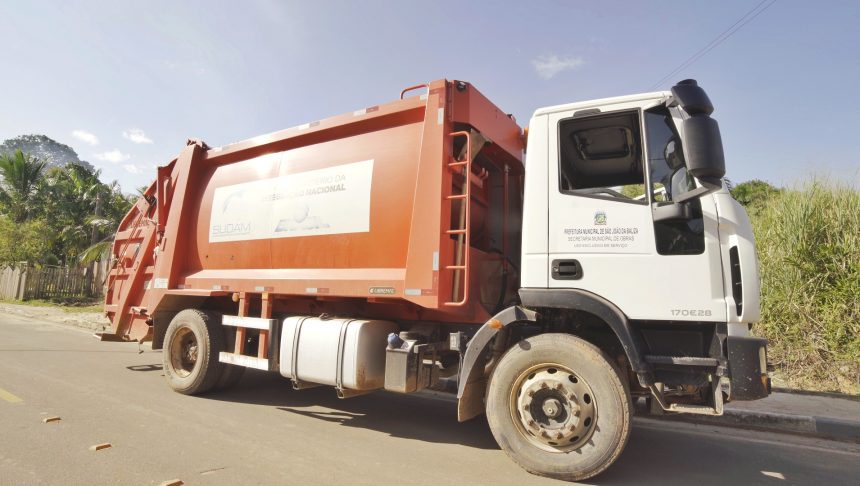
x=669, y=179
x=601, y=156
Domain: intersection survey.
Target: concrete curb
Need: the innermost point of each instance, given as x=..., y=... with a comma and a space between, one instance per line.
x=811, y=426
x=805, y=425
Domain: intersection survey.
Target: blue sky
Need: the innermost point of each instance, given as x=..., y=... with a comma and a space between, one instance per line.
x=126, y=83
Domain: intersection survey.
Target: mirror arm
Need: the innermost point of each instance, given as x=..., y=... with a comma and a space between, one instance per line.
x=706, y=188
x=679, y=209
x=697, y=192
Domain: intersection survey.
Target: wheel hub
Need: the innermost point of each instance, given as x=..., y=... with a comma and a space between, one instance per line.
x=551, y=407
x=554, y=408
x=183, y=352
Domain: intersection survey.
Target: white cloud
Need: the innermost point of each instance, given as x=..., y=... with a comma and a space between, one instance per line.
x=86, y=137
x=131, y=168
x=113, y=156
x=136, y=135
x=548, y=65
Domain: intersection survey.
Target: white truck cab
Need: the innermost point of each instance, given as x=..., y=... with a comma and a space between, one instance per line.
x=624, y=202
x=634, y=257
x=638, y=280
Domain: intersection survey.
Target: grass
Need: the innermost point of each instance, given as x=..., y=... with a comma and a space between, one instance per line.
x=808, y=242
x=66, y=306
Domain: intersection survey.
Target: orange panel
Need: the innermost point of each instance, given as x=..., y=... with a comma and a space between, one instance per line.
x=355, y=206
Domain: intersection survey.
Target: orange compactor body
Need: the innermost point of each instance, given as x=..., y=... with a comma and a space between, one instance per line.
x=409, y=210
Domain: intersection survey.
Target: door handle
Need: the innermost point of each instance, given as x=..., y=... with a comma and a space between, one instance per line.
x=566, y=270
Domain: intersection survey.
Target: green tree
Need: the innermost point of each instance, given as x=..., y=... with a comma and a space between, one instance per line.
x=753, y=194
x=30, y=241
x=81, y=210
x=633, y=190
x=21, y=176
x=58, y=215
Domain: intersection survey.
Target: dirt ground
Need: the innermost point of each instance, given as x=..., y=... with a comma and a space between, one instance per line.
x=94, y=321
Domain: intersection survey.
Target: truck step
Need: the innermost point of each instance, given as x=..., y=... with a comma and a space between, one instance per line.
x=682, y=360
x=694, y=409
x=715, y=408
x=246, y=361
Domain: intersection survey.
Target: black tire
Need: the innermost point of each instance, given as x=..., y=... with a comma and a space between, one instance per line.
x=582, y=383
x=191, y=346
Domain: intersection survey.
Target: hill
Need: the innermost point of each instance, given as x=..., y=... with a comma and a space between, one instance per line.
x=45, y=148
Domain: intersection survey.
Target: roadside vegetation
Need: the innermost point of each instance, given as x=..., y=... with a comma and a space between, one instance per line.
x=55, y=215
x=70, y=307
x=808, y=241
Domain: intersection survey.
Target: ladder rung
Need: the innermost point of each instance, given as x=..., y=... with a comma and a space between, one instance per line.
x=457, y=196
x=456, y=232
x=455, y=267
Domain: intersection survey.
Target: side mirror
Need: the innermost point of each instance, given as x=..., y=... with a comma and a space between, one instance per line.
x=704, y=148
x=703, y=145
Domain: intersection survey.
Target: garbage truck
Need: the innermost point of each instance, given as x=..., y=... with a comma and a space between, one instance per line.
x=548, y=277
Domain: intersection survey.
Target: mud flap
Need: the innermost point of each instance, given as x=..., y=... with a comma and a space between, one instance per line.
x=748, y=368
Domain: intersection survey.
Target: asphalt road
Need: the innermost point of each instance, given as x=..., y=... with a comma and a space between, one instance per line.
x=262, y=432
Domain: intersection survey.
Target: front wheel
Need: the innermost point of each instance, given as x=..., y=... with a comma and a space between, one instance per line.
x=558, y=407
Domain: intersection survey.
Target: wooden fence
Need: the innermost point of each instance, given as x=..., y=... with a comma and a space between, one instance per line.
x=23, y=282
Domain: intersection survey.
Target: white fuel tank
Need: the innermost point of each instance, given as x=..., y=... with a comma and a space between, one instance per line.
x=345, y=353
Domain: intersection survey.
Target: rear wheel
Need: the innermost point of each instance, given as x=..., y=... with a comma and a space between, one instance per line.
x=559, y=407
x=191, y=346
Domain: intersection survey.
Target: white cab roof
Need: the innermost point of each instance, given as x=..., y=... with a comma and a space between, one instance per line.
x=579, y=105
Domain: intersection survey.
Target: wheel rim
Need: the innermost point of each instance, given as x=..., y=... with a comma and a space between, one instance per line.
x=553, y=408
x=183, y=352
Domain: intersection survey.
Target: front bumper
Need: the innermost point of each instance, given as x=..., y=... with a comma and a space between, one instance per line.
x=748, y=368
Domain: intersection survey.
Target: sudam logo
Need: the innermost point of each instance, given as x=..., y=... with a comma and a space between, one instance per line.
x=228, y=229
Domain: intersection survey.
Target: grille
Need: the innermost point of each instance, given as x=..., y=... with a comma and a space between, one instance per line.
x=737, y=284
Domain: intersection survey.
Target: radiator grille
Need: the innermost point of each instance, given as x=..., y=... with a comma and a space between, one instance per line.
x=737, y=284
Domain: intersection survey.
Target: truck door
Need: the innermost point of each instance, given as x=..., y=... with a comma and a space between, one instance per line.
x=607, y=167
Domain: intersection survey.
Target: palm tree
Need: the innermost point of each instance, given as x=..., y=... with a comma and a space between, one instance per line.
x=21, y=174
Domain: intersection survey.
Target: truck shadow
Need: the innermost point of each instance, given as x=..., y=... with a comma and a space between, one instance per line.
x=147, y=367
x=650, y=452
x=424, y=418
